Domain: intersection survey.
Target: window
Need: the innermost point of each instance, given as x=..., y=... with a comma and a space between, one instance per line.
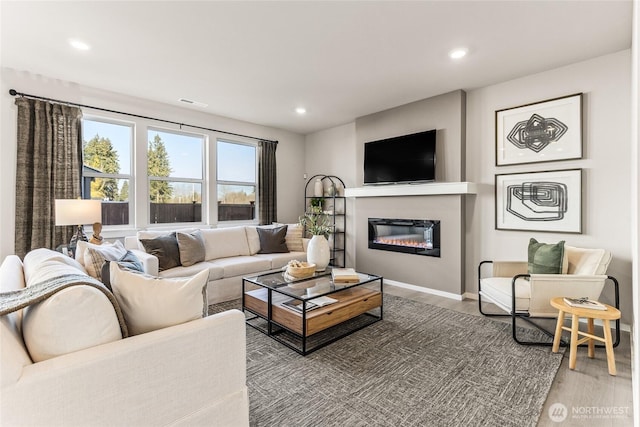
x=175, y=168
x=107, y=148
x=236, y=179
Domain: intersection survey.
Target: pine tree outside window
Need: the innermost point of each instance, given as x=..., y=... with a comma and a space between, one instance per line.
x=175, y=167
x=107, y=164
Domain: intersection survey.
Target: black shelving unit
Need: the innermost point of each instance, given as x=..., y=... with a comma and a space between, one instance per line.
x=335, y=207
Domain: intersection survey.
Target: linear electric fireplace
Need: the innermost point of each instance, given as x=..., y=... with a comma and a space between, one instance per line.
x=413, y=236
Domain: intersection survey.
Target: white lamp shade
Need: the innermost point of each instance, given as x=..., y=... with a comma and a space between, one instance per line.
x=78, y=211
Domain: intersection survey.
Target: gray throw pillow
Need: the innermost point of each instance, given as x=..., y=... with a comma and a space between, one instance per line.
x=272, y=240
x=128, y=261
x=165, y=248
x=545, y=258
x=191, y=246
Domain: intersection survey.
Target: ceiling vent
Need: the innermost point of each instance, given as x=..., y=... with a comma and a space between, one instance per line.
x=195, y=103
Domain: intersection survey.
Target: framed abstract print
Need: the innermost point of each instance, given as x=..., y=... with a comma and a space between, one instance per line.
x=542, y=132
x=540, y=201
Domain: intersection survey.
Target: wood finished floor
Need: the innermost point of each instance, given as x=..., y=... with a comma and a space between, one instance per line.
x=590, y=395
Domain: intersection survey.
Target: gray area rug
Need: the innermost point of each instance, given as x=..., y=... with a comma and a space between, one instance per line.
x=421, y=366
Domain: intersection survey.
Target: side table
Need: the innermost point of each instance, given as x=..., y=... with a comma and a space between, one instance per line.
x=611, y=313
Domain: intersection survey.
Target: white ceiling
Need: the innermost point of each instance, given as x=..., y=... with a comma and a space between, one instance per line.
x=258, y=61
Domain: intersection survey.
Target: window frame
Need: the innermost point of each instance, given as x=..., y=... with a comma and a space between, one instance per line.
x=219, y=182
x=202, y=181
x=131, y=176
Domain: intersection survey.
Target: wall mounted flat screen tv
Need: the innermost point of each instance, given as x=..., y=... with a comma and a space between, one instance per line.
x=402, y=159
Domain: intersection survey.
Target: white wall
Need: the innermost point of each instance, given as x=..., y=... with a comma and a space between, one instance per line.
x=289, y=153
x=606, y=84
x=635, y=198
x=332, y=152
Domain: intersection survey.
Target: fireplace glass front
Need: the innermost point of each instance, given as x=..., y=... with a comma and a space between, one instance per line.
x=413, y=236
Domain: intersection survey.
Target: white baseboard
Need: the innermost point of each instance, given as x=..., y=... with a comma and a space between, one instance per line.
x=425, y=290
x=470, y=295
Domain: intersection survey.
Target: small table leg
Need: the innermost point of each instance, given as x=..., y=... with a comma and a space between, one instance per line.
x=591, y=347
x=558, y=334
x=608, y=343
x=573, y=351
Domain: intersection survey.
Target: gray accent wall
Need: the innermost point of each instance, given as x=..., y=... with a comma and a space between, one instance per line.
x=446, y=114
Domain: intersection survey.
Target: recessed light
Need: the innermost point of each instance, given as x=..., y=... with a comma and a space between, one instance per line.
x=79, y=44
x=301, y=110
x=458, y=53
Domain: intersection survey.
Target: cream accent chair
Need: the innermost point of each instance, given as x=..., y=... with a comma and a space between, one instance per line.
x=526, y=296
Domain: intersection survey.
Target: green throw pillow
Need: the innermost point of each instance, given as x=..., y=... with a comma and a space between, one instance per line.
x=545, y=258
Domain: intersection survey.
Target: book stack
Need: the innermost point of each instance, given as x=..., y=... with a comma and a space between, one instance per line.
x=584, y=303
x=344, y=275
x=296, y=305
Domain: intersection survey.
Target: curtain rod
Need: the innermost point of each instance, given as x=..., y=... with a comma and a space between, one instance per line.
x=13, y=92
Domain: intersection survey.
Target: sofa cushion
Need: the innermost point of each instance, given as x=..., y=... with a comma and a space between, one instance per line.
x=215, y=272
x=241, y=265
x=14, y=351
x=498, y=290
x=280, y=260
x=165, y=248
x=73, y=319
x=225, y=242
x=191, y=247
x=272, y=240
x=96, y=255
x=59, y=264
x=546, y=258
x=587, y=261
x=151, y=303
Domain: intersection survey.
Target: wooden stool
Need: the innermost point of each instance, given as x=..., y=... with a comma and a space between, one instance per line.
x=611, y=313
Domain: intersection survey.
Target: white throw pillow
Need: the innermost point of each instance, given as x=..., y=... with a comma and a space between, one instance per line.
x=96, y=255
x=82, y=246
x=149, y=303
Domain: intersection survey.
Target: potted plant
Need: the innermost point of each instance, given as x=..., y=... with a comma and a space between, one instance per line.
x=318, y=224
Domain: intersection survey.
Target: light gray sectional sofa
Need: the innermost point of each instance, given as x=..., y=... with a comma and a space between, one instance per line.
x=230, y=254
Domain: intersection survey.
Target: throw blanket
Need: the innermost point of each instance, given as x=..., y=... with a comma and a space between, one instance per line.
x=15, y=300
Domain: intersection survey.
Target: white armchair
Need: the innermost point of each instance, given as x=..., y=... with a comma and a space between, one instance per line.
x=526, y=296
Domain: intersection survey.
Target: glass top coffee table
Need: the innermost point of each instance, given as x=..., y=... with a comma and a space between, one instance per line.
x=310, y=313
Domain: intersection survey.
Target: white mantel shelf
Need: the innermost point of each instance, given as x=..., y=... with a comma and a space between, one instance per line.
x=429, y=189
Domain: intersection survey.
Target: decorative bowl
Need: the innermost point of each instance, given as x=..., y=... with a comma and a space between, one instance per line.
x=301, y=272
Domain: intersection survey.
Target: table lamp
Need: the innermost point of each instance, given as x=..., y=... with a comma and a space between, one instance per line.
x=77, y=212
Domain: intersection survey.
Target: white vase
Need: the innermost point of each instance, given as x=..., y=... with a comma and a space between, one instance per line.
x=318, y=252
x=318, y=188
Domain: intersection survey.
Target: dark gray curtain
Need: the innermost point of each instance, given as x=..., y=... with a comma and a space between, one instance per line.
x=49, y=167
x=267, y=193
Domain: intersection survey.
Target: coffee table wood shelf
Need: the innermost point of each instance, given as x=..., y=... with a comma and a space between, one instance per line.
x=359, y=305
